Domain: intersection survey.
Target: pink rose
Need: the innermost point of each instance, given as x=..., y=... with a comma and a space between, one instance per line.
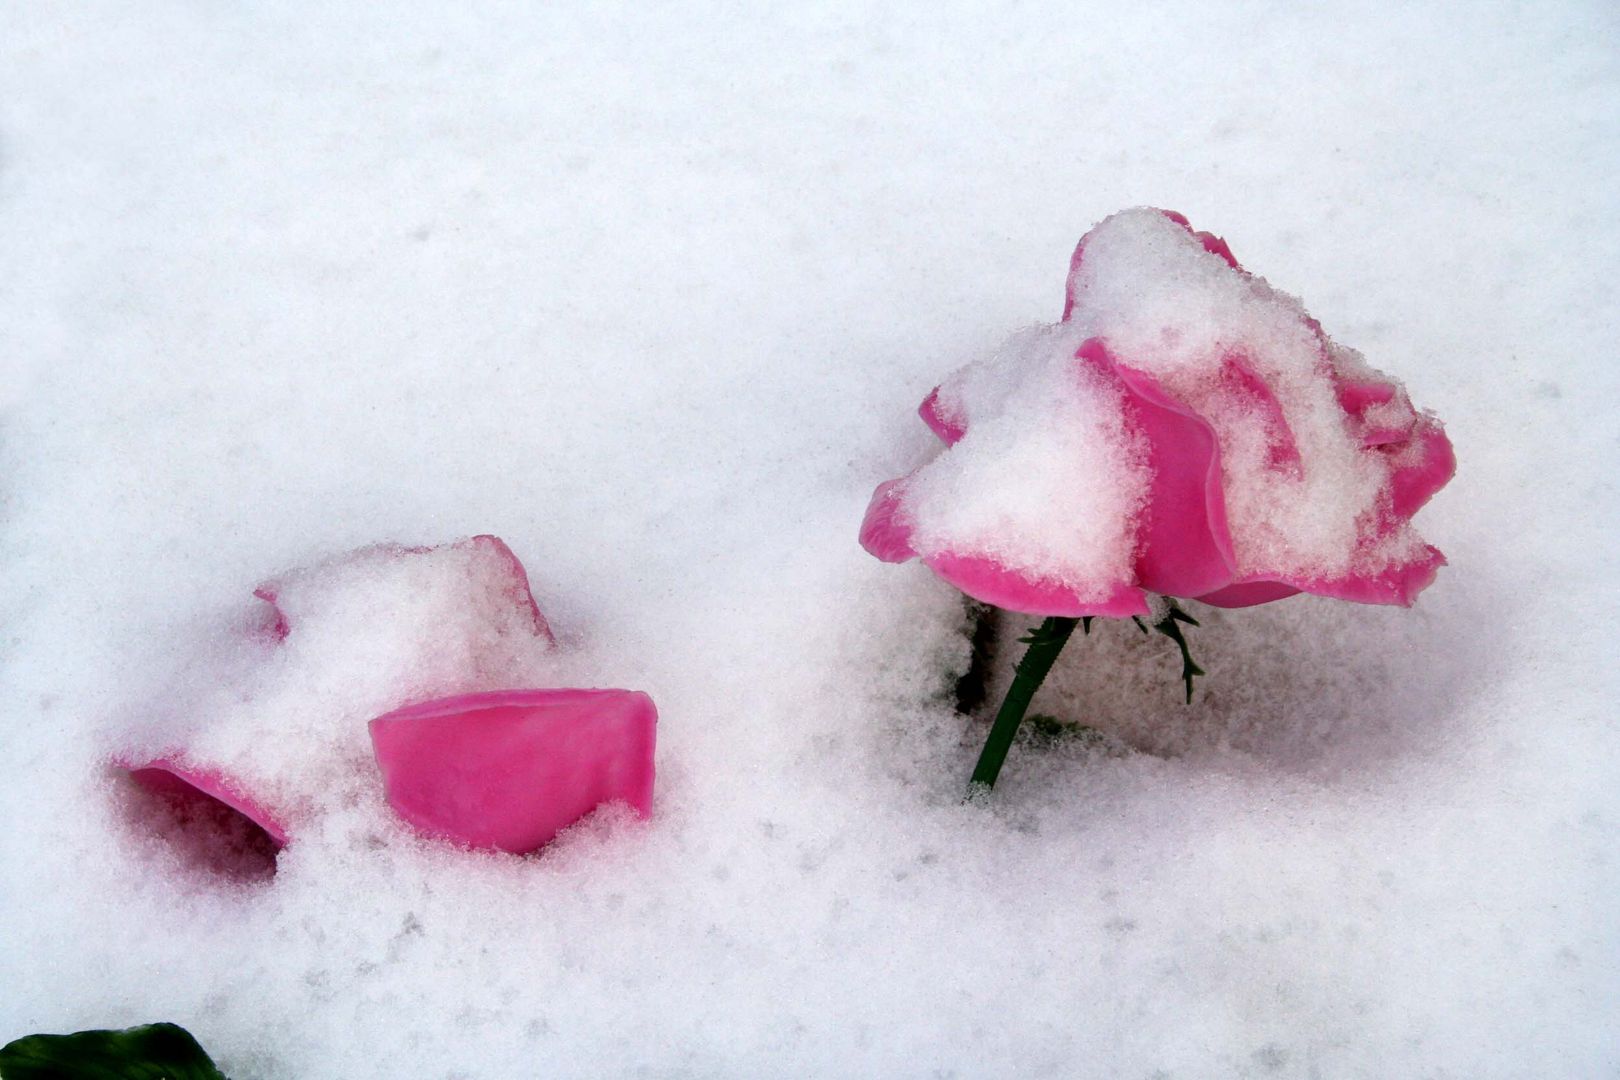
x=1185, y=430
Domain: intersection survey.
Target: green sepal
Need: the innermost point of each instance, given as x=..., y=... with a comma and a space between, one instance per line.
x=1050, y=632
x=149, y=1052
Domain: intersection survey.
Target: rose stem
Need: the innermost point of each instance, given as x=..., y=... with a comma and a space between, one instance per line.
x=1045, y=642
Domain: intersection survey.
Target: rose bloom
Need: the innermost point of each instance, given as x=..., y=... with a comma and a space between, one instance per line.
x=1186, y=430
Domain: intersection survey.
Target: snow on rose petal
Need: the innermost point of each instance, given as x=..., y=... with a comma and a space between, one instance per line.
x=1185, y=429
x=440, y=647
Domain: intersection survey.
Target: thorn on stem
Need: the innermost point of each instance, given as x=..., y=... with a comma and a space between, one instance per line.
x=1170, y=628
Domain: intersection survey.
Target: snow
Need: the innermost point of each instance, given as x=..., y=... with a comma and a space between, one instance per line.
x=1048, y=478
x=652, y=294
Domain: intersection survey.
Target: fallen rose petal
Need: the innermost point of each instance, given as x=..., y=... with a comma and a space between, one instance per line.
x=508, y=575
x=510, y=769
x=949, y=431
x=464, y=617
x=173, y=778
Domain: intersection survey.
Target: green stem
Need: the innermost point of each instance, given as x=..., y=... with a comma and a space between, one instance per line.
x=1044, y=645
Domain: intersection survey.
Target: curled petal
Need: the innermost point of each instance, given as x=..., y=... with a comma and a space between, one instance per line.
x=1217, y=246
x=1398, y=583
x=173, y=777
x=1244, y=382
x=1211, y=243
x=884, y=531
x=1184, y=546
x=886, y=534
x=511, y=579
x=1436, y=463
x=517, y=580
x=1370, y=406
x=950, y=431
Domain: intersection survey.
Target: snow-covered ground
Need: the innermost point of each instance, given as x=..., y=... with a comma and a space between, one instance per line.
x=652, y=293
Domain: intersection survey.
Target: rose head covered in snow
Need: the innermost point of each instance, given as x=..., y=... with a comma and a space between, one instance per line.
x=1185, y=430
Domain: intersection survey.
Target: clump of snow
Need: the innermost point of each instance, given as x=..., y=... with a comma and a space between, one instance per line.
x=1047, y=477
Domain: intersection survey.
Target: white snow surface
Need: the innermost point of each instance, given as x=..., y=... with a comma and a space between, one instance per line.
x=652, y=293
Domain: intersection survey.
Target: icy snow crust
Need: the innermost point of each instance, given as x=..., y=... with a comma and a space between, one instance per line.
x=1050, y=479
x=652, y=296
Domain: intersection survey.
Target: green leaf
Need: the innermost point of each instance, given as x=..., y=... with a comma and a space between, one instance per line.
x=150, y=1052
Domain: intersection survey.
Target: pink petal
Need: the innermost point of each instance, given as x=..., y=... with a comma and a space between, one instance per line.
x=279, y=627
x=989, y=581
x=1413, y=485
x=1248, y=593
x=1282, y=449
x=948, y=430
x=510, y=769
x=1184, y=546
x=885, y=534
x=517, y=586
x=171, y=776
x=1357, y=395
x=1216, y=246
x=1397, y=584
x=884, y=531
